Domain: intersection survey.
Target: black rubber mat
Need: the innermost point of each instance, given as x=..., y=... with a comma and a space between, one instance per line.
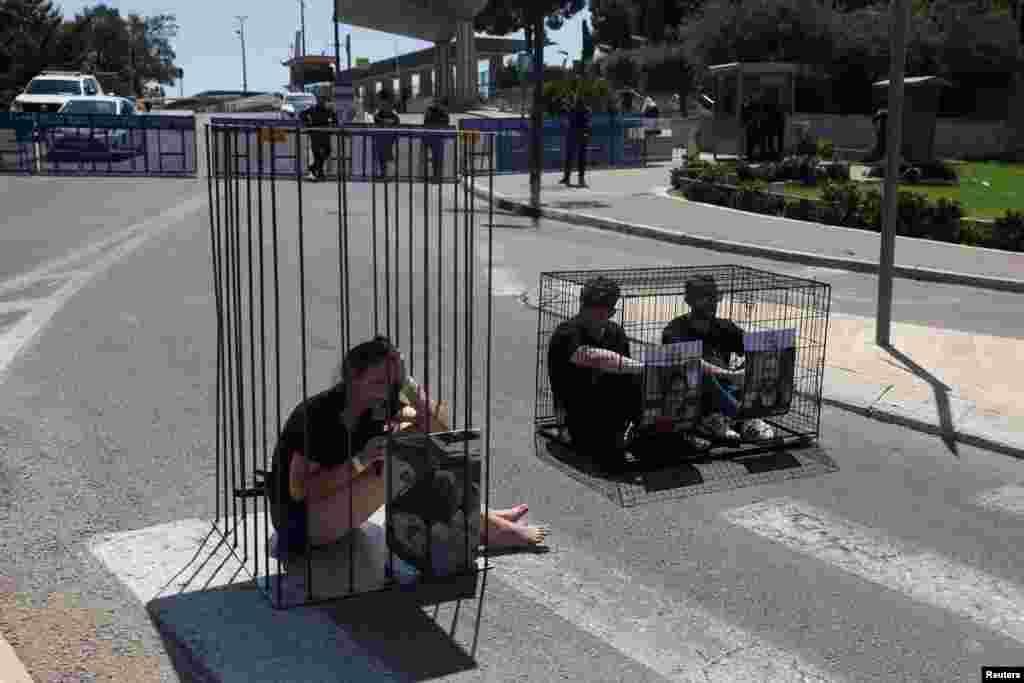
x=769, y=462
x=672, y=478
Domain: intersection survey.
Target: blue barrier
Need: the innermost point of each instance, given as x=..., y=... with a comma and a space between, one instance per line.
x=614, y=141
x=95, y=144
x=265, y=148
x=16, y=146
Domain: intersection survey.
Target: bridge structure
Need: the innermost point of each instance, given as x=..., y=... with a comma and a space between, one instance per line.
x=438, y=21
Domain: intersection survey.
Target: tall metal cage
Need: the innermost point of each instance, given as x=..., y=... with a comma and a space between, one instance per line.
x=390, y=244
x=757, y=301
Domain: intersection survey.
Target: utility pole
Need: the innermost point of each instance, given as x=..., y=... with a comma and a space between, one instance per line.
x=900, y=11
x=537, y=118
x=302, y=24
x=240, y=32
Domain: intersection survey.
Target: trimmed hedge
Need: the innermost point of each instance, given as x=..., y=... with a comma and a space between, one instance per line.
x=845, y=203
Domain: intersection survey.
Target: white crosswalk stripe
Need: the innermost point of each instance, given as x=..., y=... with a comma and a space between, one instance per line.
x=921, y=574
x=678, y=640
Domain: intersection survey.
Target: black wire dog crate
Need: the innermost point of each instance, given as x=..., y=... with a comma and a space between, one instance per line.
x=774, y=312
x=302, y=273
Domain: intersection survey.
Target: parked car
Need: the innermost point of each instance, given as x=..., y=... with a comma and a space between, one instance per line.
x=294, y=103
x=50, y=90
x=89, y=142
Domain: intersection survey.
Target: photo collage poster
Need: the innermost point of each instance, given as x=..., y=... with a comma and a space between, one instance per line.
x=770, y=365
x=672, y=380
x=433, y=506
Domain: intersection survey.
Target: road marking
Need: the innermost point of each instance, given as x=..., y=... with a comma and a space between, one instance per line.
x=925, y=576
x=110, y=250
x=679, y=640
x=1008, y=498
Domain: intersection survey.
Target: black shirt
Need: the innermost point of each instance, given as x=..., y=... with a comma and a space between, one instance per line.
x=328, y=438
x=436, y=116
x=722, y=339
x=570, y=383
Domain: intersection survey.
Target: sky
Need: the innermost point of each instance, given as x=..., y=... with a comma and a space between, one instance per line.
x=210, y=52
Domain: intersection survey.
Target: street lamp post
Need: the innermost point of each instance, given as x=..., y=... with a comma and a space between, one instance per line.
x=240, y=32
x=900, y=10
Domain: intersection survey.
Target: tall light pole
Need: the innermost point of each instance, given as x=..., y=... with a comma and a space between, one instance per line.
x=240, y=32
x=302, y=24
x=900, y=11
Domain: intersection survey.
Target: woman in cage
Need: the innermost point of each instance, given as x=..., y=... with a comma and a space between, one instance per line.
x=321, y=489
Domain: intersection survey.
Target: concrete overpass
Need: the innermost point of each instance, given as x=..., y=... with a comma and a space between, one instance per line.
x=436, y=21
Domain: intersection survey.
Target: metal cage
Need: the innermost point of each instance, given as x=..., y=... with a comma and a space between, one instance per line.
x=302, y=272
x=757, y=301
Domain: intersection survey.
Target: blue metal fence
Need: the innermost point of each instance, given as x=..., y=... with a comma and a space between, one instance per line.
x=99, y=145
x=614, y=141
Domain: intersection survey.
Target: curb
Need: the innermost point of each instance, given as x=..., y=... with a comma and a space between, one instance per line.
x=747, y=249
x=11, y=668
x=972, y=439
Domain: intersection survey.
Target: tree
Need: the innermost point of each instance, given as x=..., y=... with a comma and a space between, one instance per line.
x=29, y=33
x=587, y=54
x=501, y=17
x=613, y=22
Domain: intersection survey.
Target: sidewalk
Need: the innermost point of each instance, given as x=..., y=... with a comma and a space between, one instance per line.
x=954, y=384
x=635, y=201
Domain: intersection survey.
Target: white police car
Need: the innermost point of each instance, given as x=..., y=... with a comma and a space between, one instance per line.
x=50, y=90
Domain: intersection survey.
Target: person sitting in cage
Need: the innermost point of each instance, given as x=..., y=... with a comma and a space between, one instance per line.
x=318, y=116
x=595, y=383
x=321, y=491
x=384, y=144
x=721, y=339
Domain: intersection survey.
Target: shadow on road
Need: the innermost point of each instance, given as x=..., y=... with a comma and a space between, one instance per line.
x=947, y=429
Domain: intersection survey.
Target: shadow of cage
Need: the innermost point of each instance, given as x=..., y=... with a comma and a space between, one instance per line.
x=302, y=273
x=764, y=305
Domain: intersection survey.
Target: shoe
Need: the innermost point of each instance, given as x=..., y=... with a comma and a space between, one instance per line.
x=717, y=425
x=564, y=181
x=757, y=430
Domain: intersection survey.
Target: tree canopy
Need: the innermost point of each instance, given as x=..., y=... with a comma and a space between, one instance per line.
x=124, y=51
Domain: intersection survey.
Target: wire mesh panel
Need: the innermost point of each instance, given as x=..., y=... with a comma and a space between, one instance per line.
x=306, y=276
x=777, y=326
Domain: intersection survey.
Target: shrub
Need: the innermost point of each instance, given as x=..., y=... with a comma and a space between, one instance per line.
x=745, y=172
x=945, y=220
x=842, y=203
x=1008, y=231
x=912, y=210
x=838, y=172
x=975, y=234
x=748, y=196
x=871, y=210
x=800, y=209
x=825, y=149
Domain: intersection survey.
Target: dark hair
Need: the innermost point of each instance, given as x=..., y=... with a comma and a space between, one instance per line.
x=701, y=283
x=600, y=291
x=363, y=356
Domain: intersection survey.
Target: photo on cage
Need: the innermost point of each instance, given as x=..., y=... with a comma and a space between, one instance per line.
x=672, y=383
x=431, y=499
x=770, y=368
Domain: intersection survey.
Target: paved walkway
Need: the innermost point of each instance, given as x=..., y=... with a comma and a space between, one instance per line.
x=957, y=384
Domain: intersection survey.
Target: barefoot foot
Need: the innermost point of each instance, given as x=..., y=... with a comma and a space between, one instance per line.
x=512, y=514
x=517, y=536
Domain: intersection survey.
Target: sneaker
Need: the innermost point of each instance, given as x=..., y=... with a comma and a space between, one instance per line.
x=717, y=425
x=757, y=430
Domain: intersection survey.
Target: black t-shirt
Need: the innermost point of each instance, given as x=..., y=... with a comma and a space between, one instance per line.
x=328, y=438
x=569, y=382
x=722, y=339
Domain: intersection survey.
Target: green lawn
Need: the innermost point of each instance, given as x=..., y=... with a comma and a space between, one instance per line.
x=1004, y=189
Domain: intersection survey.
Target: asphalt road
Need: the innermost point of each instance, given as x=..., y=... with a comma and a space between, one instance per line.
x=106, y=425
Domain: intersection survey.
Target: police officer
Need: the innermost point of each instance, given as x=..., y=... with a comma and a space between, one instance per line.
x=318, y=116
